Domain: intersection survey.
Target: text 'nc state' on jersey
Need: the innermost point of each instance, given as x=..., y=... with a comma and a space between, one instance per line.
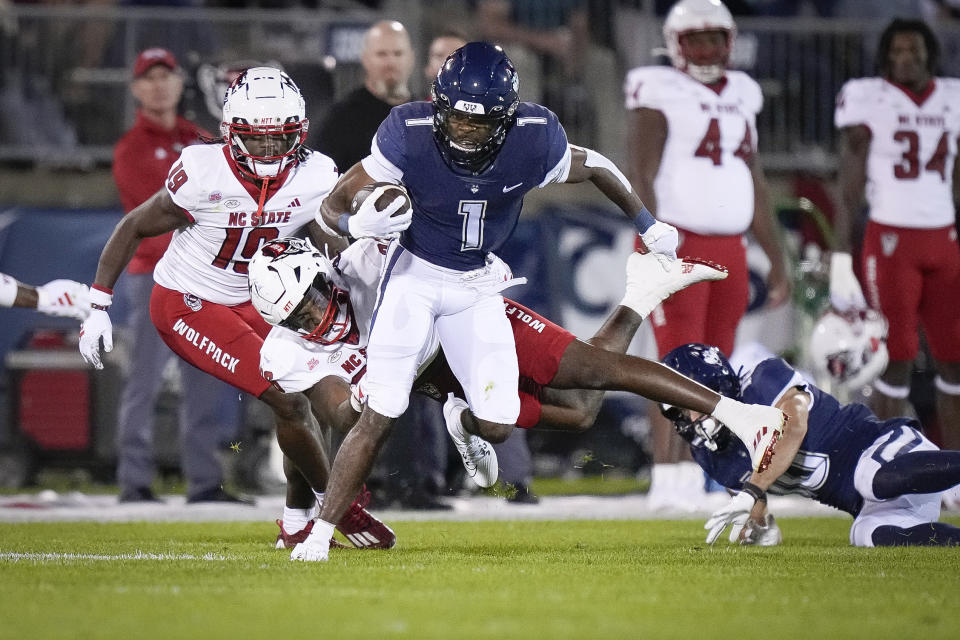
x=922, y=120
x=243, y=219
x=207, y=346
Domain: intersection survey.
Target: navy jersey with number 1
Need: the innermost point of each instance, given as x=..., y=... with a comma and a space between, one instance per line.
x=458, y=217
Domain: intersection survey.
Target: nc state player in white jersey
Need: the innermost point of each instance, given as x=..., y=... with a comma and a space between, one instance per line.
x=692, y=145
x=899, y=144
x=223, y=201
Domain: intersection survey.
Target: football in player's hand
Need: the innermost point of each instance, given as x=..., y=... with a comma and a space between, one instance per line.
x=390, y=193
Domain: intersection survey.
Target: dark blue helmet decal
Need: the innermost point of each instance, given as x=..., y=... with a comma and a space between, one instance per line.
x=478, y=81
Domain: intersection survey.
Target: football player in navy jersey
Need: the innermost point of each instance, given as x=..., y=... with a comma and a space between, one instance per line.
x=885, y=474
x=467, y=159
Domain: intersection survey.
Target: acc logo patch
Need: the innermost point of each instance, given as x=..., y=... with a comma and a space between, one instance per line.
x=216, y=196
x=193, y=302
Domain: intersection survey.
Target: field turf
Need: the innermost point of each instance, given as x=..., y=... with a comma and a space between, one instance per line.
x=469, y=580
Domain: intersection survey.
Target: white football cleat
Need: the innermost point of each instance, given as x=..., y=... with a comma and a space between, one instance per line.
x=479, y=458
x=649, y=282
x=316, y=548
x=759, y=427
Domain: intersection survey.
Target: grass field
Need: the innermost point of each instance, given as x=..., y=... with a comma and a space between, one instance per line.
x=531, y=580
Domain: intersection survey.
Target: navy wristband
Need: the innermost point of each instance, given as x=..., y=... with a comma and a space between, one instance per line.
x=344, y=223
x=754, y=491
x=644, y=220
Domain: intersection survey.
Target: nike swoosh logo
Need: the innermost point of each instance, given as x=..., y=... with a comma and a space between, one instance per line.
x=509, y=189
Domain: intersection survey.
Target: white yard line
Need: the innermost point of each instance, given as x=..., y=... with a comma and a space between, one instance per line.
x=10, y=556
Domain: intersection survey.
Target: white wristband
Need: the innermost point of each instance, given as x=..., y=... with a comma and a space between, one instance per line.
x=100, y=298
x=8, y=290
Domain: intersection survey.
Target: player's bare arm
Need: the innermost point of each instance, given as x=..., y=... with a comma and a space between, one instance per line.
x=156, y=216
x=586, y=164
x=330, y=243
x=338, y=202
x=854, y=147
x=796, y=405
x=330, y=401
x=765, y=232
x=646, y=137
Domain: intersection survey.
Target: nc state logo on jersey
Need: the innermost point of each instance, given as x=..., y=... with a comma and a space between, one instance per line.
x=888, y=243
x=193, y=302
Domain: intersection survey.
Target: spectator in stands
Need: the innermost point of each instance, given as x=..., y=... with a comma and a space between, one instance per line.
x=692, y=139
x=56, y=298
x=351, y=123
x=142, y=158
x=561, y=66
x=445, y=43
x=898, y=147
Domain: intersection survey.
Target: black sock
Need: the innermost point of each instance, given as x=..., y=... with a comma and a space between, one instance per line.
x=917, y=472
x=930, y=534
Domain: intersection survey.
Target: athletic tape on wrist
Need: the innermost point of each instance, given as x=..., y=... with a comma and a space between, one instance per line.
x=100, y=298
x=644, y=220
x=754, y=492
x=900, y=393
x=8, y=290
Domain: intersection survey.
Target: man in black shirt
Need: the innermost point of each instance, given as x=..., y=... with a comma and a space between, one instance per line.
x=351, y=123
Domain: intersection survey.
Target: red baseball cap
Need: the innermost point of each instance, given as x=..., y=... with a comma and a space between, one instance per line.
x=149, y=58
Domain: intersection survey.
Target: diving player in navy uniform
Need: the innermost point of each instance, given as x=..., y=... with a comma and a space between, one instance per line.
x=885, y=474
x=467, y=159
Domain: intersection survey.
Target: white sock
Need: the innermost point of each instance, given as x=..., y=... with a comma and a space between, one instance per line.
x=322, y=530
x=727, y=410
x=296, y=519
x=319, y=505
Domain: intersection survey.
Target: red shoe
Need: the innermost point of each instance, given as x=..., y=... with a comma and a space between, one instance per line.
x=362, y=529
x=290, y=540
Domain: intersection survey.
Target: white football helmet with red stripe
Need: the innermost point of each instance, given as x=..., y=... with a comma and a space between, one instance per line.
x=264, y=104
x=849, y=349
x=293, y=286
x=689, y=16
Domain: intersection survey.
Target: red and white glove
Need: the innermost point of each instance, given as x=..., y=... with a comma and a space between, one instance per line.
x=97, y=326
x=64, y=298
x=358, y=395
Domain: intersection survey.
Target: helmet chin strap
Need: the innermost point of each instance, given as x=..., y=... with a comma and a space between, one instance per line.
x=263, y=195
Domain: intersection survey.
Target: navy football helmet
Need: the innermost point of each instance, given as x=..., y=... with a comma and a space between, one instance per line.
x=474, y=101
x=708, y=366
